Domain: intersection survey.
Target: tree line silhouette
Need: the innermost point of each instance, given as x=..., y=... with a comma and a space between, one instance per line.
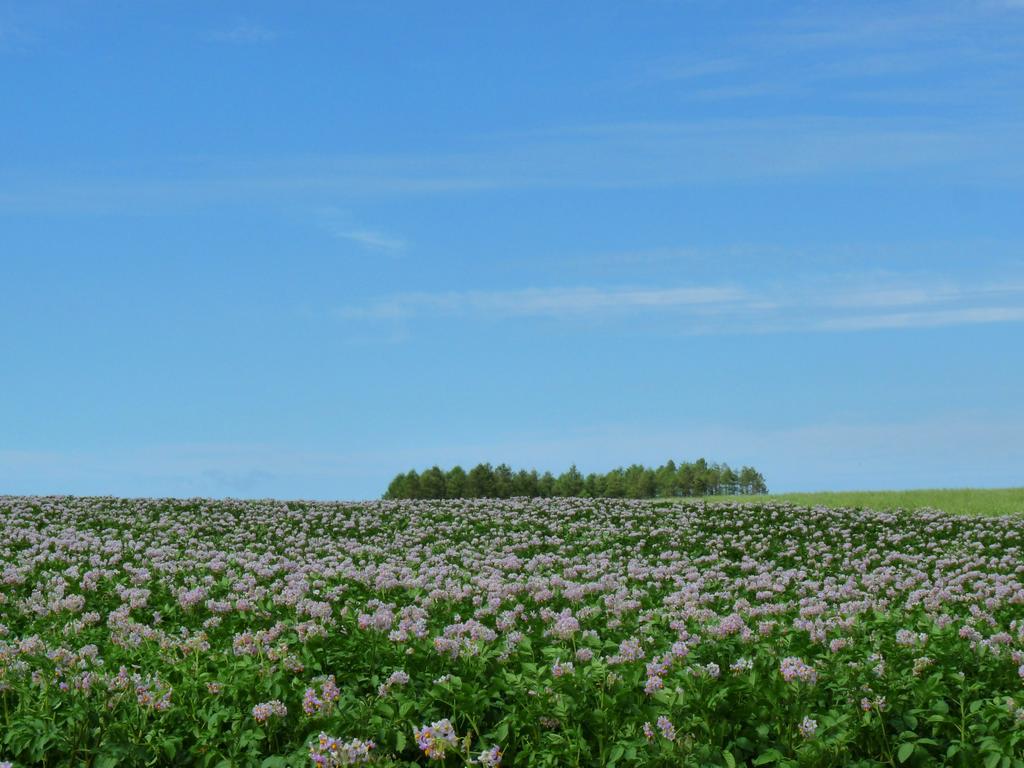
x=697, y=478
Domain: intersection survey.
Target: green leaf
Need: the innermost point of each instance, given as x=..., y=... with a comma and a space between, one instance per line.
x=274, y=761
x=730, y=761
x=768, y=756
x=617, y=751
x=905, y=751
x=400, y=741
x=665, y=696
x=105, y=761
x=992, y=759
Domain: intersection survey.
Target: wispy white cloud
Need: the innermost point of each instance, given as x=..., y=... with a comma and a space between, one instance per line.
x=341, y=226
x=749, y=90
x=843, y=303
x=635, y=155
x=835, y=26
x=548, y=302
x=243, y=32
x=905, y=291
x=377, y=241
x=690, y=70
x=925, y=319
x=820, y=51
x=13, y=35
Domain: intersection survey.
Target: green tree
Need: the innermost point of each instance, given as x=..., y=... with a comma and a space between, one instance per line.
x=728, y=480
x=432, y=484
x=480, y=482
x=687, y=479
x=397, y=487
x=455, y=483
x=569, y=483
x=667, y=479
x=593, y=486
x=546, y=485
x=615, y=484
x=504, y=481
x=526, y=483
x=702, y=484
x=752, y=481
x=412, y=485
x=639, y=481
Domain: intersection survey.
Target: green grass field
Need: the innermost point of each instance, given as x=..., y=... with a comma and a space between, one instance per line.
x=966, y=501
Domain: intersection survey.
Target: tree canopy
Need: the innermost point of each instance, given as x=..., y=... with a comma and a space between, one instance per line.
x=697, y=478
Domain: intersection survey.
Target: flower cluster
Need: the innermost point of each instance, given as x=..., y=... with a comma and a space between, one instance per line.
x=397, y=678
x=741, y=665
x=668, y=730
x=329, y=752
x=489, y=758
x=263, y=711
x=794, y=668
x=153, y=693
x=878, y=703
x=319, y=704
x=909, y=639
x=808, y=727
x=436, y=739
x=560, y=668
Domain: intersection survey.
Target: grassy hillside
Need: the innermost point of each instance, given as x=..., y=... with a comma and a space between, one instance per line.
x=970, y=501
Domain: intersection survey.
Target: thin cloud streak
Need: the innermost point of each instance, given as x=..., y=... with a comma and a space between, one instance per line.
x=244, y=33
x=545, y=302
x=785, y=58
x=340, y=225
x=601, y=156
x=928, y=319
x=832, y=305
x=696, y=69
x=817, y=30
x=377, y=241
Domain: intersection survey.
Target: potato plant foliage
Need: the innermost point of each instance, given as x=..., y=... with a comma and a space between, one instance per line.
x=547, y=632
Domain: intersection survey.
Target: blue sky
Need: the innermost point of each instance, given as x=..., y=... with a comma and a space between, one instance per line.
x=247, y=250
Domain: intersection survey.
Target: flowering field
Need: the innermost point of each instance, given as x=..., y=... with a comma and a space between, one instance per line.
x=553, y=632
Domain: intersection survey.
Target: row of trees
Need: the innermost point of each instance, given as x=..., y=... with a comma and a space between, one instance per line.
x=698, y=478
